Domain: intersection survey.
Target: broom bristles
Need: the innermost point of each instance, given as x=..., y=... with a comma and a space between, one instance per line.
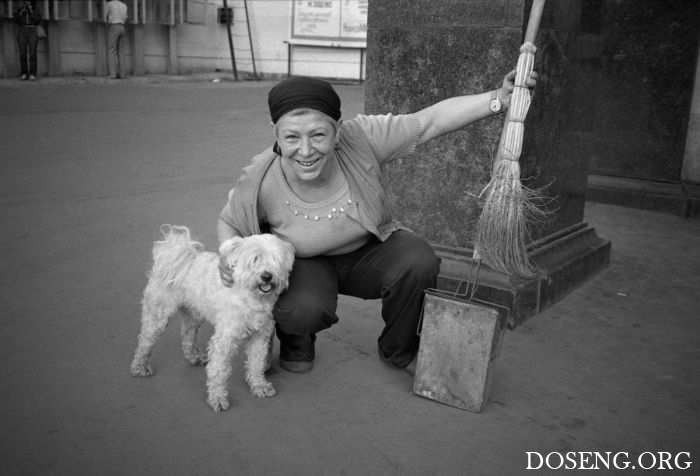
x=503, y=230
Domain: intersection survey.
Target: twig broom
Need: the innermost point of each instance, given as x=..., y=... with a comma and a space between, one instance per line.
x=503, y=228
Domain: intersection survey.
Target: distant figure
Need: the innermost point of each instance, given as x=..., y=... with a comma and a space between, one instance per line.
x=116, y=18
x=27, y=16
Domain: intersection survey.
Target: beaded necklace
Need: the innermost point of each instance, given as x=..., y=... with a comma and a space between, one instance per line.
x=339, y=203
x=334, y=213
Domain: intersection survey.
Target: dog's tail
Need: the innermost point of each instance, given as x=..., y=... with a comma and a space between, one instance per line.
x=173, y=255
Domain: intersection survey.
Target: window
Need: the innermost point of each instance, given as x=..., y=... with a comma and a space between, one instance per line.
x=139, y=11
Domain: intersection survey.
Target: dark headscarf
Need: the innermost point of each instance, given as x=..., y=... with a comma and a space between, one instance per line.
x=302, y=91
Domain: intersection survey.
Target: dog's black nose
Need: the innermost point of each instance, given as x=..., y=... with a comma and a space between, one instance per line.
x=265, y=276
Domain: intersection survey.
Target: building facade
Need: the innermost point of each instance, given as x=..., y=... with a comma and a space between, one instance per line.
x=268, y=37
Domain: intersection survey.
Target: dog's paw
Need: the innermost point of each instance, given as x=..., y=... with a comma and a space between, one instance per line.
x=144, y=370
x=264, y=390
x=218, y=404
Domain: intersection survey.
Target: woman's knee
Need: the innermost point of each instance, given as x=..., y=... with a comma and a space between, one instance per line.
x=426, y=261
x=419, y=259
x=309, y=304
x=307, y=313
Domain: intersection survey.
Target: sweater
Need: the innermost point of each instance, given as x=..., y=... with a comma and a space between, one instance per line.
x=365, y=143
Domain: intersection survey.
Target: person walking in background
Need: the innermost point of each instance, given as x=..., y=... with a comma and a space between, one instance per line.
x=116, y=18
x=27, y=17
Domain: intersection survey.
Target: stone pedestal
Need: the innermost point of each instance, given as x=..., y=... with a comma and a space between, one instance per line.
x=420, y=52
x=568, y=258
x=679, y=198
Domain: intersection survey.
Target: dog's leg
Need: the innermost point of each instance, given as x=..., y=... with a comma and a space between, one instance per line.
x=188, y=333
x=154, y=319
x=268, y=357
x=222, y=347
x=256, y=363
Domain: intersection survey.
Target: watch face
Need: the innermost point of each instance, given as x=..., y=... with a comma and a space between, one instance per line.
x=495, y=105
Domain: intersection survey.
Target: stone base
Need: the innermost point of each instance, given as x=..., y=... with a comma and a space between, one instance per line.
x=567, y=259
x=671, y=197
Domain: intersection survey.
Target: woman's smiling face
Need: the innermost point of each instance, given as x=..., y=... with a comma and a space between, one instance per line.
x=307, y=139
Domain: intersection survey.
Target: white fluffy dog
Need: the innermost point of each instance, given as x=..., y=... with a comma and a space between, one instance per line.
x=186, y=278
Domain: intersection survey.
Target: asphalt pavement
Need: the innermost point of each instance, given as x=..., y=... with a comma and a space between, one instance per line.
x=90, y=168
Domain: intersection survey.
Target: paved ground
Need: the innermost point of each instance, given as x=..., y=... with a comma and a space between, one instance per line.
x=90, y=169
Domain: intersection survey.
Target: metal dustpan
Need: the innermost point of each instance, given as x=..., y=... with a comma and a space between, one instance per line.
x=460, y=338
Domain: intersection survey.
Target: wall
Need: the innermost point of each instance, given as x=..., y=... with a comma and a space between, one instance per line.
x=647, y=65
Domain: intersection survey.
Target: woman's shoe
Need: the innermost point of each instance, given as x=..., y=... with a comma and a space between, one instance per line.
x=297, y=366
x=411, y=368
x=23, y=77
x=297, y=352
x=32, y=77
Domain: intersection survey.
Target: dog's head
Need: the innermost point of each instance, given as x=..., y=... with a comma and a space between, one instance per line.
x=260, y=263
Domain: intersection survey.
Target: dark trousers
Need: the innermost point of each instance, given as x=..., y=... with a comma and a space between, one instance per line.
x=396, y=271
x=27, y=41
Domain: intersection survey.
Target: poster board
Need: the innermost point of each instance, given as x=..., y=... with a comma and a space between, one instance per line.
x=339, y=23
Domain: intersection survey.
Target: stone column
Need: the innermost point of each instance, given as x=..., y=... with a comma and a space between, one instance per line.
x=53, y=47
x=10, y=56
x=137, y=50
x=172, y=50
x=422, y=51
x=100, y=44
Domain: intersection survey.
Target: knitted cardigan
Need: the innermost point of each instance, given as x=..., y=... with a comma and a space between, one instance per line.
x=365, y=143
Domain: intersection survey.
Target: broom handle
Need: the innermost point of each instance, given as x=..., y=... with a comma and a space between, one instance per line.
x=523, y=70
x=533, y=23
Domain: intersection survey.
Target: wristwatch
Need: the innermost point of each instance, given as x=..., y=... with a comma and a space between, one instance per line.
x=495, y=105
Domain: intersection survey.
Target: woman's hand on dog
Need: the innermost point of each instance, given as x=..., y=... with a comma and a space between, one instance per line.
x=225, y=272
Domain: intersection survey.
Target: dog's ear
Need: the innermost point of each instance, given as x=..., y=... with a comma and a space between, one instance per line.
x=289, y=254
x=230, y=245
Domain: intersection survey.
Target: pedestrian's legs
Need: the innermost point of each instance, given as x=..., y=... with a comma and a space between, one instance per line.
x=307, y=307
x=22, y=43
x=397, y=271
x=113, y=34
x=33, y=42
